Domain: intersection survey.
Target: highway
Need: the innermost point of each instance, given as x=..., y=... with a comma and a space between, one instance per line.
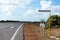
x=7, y=29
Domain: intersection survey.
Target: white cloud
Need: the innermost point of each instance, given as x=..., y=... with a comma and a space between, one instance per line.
x=30, y=12
x=55, y=7
x=20, y=3
x=6, y=14
x=8, y=6
x=45, y=4
x=23, y=3
x=4, y=1
x=7, y=9
x=55, y=10
x=9, y=1
x=31, y=15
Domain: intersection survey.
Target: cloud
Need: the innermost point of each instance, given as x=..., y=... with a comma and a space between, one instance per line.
x=20, y=3
x=45, y=4
x=9, y=1
x=7, y=9
x=55, y=10
x=24, y=3
x=30, y=15
x=30, y=12
x=8, y=6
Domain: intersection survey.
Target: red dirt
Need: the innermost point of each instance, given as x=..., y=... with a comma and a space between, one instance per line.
x=29, y=34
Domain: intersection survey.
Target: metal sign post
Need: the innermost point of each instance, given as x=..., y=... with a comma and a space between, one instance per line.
x=49, y=20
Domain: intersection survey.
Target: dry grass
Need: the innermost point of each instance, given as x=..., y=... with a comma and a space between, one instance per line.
x=37, y=30
x=53, y=32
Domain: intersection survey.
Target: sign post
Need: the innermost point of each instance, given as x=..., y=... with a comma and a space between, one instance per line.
x=49, y=20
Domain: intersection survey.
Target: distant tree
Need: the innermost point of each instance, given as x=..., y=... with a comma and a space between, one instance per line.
x=2, y=20
x=42, y=20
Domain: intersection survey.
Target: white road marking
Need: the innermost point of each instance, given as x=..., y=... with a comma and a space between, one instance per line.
x=16, y=32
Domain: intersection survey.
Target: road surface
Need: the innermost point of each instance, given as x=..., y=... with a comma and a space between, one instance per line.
x=7, y=29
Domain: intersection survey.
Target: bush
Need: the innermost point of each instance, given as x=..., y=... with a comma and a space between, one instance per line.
x=53, y=21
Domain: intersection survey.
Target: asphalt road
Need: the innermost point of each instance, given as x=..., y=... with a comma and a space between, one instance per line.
x=7, y=29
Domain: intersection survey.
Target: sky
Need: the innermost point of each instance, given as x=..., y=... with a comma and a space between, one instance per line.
x=27, y=10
